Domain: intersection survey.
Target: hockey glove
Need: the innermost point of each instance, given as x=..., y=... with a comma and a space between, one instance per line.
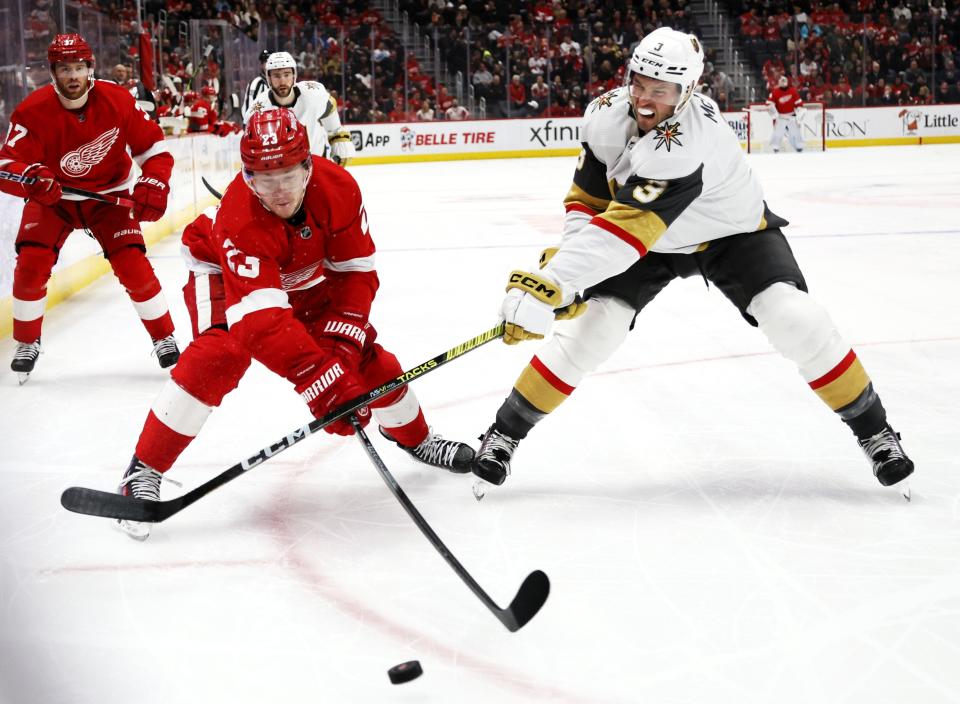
x=344, y=336
x=45, y=190
x=575, y=309
x=149, y=199
x=341, y=147
x=327, y=388
x=528, y=307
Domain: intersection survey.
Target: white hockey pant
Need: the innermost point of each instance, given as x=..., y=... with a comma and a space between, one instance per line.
x=799, y=328
x=787, y=124
x=580, y=345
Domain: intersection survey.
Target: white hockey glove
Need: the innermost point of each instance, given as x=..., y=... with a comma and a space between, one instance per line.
x=528, y=307
x=799, y=112
x=341, y=147
x=578, y=306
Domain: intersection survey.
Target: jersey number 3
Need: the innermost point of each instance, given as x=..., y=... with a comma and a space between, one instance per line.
x=250, y=266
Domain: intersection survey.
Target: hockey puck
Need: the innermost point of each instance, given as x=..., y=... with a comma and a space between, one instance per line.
x=404, y=672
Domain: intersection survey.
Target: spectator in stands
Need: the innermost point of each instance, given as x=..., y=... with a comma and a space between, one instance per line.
x=456, y=111
x=425, y=113
x=517, y=97
x=540, y=92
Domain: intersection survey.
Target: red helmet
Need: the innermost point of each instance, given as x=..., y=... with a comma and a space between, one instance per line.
x=190, y=96
x=274, y=139
x=208, y=90
x=69, y=47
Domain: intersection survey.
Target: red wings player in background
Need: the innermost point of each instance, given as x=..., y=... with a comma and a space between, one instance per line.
x=788, y=104
x=282, y=272
x=77, y=133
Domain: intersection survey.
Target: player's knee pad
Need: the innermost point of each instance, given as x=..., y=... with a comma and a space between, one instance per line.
x=133, y=270
x=581, y=345
x=33, y=268
x=798, y=327
x=211, y=366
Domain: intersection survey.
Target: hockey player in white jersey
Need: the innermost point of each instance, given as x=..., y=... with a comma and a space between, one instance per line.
x=662, y=190
x=312, y=105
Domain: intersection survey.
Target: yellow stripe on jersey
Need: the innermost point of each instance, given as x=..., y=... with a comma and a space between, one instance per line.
x=644, y=226
x=577, y=195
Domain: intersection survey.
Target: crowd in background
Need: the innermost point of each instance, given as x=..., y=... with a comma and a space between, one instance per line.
x=525, y=59
x=856, y=52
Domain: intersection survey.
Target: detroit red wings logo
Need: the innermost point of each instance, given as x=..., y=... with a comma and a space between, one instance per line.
x=79, y=162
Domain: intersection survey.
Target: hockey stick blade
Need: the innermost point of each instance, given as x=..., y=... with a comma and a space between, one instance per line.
x=104, y=504
x=532, y=593
x=530, y=598
x=94, y=502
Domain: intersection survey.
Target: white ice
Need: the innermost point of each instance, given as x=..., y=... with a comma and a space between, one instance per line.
x=712, y=532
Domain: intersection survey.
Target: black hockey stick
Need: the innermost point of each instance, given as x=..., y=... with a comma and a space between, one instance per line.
x=90, y=195
x=213, y=191
x=94, y=502
x=535, y=588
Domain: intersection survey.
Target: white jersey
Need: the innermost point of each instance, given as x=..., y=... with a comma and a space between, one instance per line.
x=671, y=190
x=311, y=104
x=257, y=89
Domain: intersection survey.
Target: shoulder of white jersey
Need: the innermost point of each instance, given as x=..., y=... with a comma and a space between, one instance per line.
x=312, y=90
x=608, y=124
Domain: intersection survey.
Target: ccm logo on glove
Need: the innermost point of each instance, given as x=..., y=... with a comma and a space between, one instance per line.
x=534, y=285
x=323, y=383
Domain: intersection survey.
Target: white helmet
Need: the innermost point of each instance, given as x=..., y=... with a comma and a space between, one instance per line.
x=672, y=56
x=280, y=59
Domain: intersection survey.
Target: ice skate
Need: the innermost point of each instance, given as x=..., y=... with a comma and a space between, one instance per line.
x=890, y=463
x=141, y=481
x=456, y=457
x=167, y=351
x=492, y=463
x=24, y=359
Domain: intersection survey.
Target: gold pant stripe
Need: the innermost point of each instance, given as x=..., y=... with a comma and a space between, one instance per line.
x=845, y=389
x=539, y=392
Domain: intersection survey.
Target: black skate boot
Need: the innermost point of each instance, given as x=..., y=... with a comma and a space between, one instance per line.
x=167, y=351
x=493, y=458
x=24, y=359
x=140, y=481
x=890, y=462
x=456, y=457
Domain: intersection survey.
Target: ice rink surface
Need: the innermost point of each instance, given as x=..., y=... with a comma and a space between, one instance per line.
x=712, y=532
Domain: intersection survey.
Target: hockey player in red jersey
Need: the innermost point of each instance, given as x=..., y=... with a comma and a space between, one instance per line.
x=283, y=272
x=81, y=133
x=788, y=109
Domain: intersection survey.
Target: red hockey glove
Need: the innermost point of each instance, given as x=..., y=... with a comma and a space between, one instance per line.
x=149, y=199
x=344, y=336
x=45, y=190
x=328, y=387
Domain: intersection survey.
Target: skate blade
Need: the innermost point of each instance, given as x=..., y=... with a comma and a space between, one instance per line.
x=480, y=489
x=135, y=530
x=23, y=377
x=906, y=492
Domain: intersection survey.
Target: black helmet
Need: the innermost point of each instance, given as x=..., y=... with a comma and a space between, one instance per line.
x=264, y=55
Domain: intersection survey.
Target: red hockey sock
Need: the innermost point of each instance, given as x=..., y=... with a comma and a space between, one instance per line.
x=133, y=270
x=30, y=278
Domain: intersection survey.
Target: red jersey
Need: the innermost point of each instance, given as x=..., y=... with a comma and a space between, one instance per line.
x=201, y=116
x=266, y=261
x=786, y=100
x=85, y=148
